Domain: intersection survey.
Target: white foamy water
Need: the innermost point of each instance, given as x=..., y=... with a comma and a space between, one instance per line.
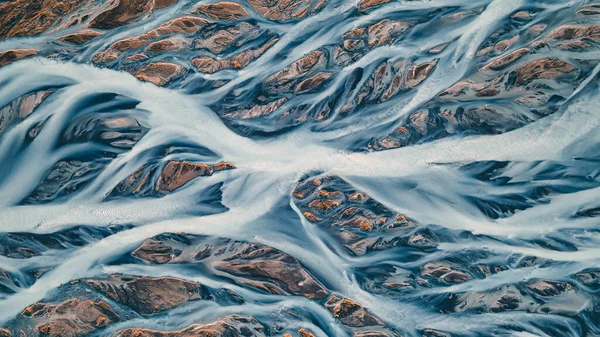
x=503, y=208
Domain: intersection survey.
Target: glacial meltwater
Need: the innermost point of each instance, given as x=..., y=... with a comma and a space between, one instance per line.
x=299, y=168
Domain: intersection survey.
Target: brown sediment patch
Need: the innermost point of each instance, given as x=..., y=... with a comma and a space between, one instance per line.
x=177, y=173
x=80, y=37
x=233, y=325
x=159, y=73
x=10, y=56
x=223, y=11
x=28, y=18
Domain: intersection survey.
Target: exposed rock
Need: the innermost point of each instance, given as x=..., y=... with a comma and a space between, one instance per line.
x=285, y=79
x=223, y=40
x=177, y=173
x=158, y=4
x=546, y=68
x=228, y=326
x=250, y=261
x=172, y=43
x=159, y=73
x=21, y=107
x=549, y=288
x=28, y=18
x=502, y=299
x=435, y=333
x=69, y=176
x=575, y=46
x=207, y=64
x=30, y=102
x=10, y=56
x=458, y=16
x=365, y=4
x=223, y=11
x=183, y=25
x=72, y=318
x=119, y=132
x=61, y=180
x=244, y=58
x=136, y=58
x=570, y=31
x=80, y=37
x=589, y=9
x=536, y=30
x=522, y=16
x=256, y=260
x=312, y=83
x=358, y=222
x=359, y=40
x=443, y=272
x=174, y=175
x=286, y=10
x=350, y=313
x=147, y=295
x=503, y=45
x=508, y=59
x=123, y=12
x=386, y=32
x=258, y=110
x=438, y=49
x=589, y=277
x=419, y=73
x=27, y=245
x=305, y=333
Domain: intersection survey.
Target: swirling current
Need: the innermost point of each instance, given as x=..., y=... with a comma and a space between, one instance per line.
x=299, y=168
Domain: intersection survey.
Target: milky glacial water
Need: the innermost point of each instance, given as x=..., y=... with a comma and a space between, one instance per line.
x=523, y=202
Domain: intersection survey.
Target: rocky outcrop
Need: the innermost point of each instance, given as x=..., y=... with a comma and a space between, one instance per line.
x=289, y=77
x=21, y=108
x=444, y=272
x=123, y=12
x=72, y=318
x=219, y=41
x=285, y=11
x=223, y=11
x=159, y=73
x=207, y=64
x=168, y=44
x=28, y=18
x=312, y=83
x=547, y=69
x=176, y=174
x=351, y=313
x=27, y=245
x=357, y=42
x=147, y=295
x=535, y=85
x=255, y=265
x=184, y=25
x=232, y=325
x=358, y=222
x=367, y=4
x=10, y=56
x=257, y=110
x=81, y=37
x=549, y=288
x=172, y=176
